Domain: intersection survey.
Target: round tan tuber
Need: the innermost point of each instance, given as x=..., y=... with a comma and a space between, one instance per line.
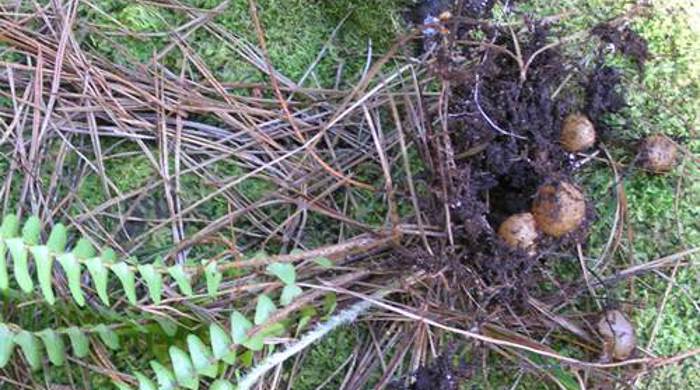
x=519, y=231
x=658, y=154
x=559, y=208
x=618, y=335
x=577, y=133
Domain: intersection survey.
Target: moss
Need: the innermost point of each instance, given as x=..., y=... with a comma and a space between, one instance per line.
x=295, y=32
x=128, y=173
x=324, y=358
x=674, y=376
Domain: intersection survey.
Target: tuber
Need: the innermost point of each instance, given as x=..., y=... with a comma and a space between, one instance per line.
x=577, y=133
x=559, y=208
x=618, y=335
x=519, y=231
x=658, y=154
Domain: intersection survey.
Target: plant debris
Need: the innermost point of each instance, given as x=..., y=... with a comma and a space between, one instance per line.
x=314, y=197
x=504, y=121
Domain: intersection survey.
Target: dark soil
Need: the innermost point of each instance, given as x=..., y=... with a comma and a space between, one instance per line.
x=504, y=120
x=504, y=130
x=445, y=373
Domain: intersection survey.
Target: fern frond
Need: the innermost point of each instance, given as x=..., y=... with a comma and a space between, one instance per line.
x=99, y=266
x=27, y=246
x=186, y=367
x=12, y=337
x=202, y=359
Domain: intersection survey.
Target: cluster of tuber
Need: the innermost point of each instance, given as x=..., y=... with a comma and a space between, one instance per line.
x=559, y=208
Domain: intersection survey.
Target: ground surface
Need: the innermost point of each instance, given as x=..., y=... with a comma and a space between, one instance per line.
x=663, y=211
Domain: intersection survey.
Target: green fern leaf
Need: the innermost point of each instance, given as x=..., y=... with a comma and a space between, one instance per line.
x=108, y=336
x=263, y=309
x=98, y=273
x=239, y=327
x=184, y=370
x=127, y=278
x=71, y=267
x=303, y=321
x=144, y=382
x=84, y=249
x=330, y=302
x=58, y=238
x=78, y=341
x=177, y=272
x=275, y=330
x=109, y=255
x=4, y=278
x=201, y=357
x=284, y=271
x=31, y=231
x=19, y=260
x=221, y=384
x=168, y=325
x=121, y=385
x=323, y=262
x=30, y=348
x=54, y=346
x=213, y=277
x=44, y=266
x=10, y=226
x=164, y=376
x=247, y=359
x=289, y=292
x=7, y=345
x=154, y=281
x=221, y=344
x=255, y=343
